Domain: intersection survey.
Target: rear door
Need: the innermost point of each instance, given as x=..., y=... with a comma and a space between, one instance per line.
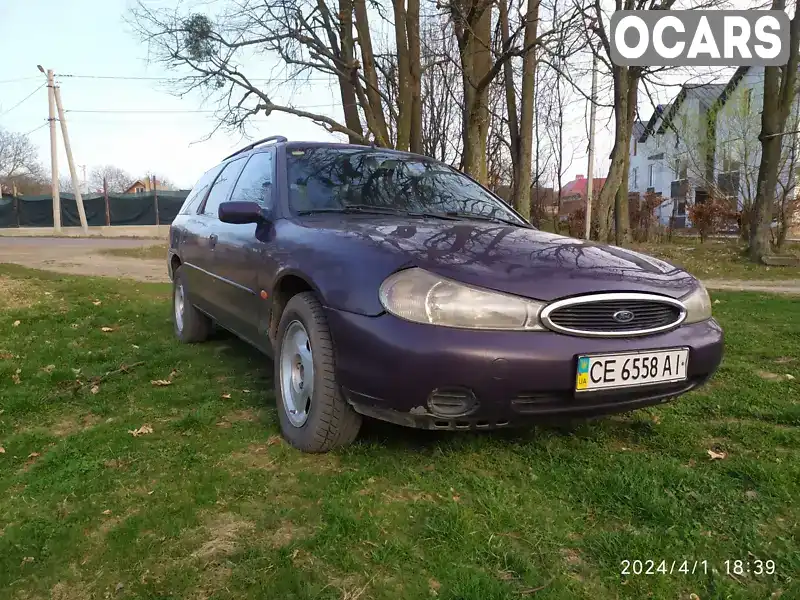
x=207, y=235
x=184, y=235
x=238, y=253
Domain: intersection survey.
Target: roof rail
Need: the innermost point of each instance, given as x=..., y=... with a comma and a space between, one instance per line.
x=272, y=138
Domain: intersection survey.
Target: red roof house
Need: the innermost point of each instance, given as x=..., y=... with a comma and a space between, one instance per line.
x=573, y=194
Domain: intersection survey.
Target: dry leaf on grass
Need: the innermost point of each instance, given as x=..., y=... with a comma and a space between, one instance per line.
x=790, y=377
x=717, y=455
x=144, y=429
x=15, y=324
x=274, y=439
x=94, y=389
x=434, y=586
x=226, y=396
x=15, y=377
x=767, y=375
x=48, y=368
x=2, y=450
x=97, y=303
x=106, y=329
x=167, y=381
x=6, y=355
x=107, y=512
x=33, y=455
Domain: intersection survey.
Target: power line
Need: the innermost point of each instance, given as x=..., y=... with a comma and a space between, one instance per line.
x=138, y=111
x=5, y=112
x=19, y=79
x=298, y=79
x=35, y=129
x=177, y=111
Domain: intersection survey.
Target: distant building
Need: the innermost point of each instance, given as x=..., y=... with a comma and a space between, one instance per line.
x=573, y=194
x=145, y=186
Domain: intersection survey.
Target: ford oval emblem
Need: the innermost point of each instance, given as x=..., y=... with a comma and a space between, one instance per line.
x=623, y=316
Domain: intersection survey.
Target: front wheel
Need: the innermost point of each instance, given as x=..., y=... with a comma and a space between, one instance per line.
x=313, y=415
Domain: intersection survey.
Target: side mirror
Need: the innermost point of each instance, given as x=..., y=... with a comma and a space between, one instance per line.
x=238, y=213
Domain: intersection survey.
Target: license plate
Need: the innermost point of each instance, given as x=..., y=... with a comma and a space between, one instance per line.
x=621, y=370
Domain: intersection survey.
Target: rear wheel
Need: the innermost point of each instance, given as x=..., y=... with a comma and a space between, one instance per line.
x=190, y=324
x=313, y=414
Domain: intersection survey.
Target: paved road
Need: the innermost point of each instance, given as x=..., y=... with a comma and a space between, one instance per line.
x=83, y=256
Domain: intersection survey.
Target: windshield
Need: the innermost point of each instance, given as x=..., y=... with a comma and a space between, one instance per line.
x=331, y=179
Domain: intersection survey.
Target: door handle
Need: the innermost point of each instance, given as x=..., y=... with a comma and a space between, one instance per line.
x=212, y=240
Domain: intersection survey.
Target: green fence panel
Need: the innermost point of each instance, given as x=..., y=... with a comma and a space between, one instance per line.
x=129, y=209
x=8, y=218
x=124, y=209
x=94, y=205
x=35, y=211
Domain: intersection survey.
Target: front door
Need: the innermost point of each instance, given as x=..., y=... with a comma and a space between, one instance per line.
x=241, y=249
x=207, y=231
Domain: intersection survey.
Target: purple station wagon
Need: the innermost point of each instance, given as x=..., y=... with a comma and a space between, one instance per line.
x=389, y=285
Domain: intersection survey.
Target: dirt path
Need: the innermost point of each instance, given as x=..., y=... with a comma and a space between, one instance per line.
x=83, y=256
x=788, y=286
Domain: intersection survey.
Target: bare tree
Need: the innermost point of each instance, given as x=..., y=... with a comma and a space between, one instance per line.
x=18, y=157
x=779, y=95
x=305, y=37
x=116, y=179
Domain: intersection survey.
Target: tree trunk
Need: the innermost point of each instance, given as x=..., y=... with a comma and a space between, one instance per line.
x=522, y=202
x=474, y=46
x=370, y=99
x=779, y=95
x=511, y=102
x=403, y=76
x=620, y=150
x=352, y=120
x=415, y=75
x=622, y=229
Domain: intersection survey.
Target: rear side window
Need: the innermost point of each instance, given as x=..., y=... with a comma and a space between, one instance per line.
x=198, y=192
x=222, y=187
x=255, y=182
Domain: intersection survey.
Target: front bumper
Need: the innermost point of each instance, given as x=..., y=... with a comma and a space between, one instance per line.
x=389, y=368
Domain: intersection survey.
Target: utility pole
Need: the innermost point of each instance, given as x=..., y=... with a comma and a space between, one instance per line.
x=590, y=183
x=51, y=117
x=75, y=187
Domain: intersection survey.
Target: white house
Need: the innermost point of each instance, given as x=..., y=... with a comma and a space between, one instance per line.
x=706, y=142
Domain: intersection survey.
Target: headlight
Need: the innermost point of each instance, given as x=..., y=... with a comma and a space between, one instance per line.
x=698, y=305
x=420, y=296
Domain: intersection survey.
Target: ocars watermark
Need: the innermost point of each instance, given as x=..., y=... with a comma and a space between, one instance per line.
x=701, y=37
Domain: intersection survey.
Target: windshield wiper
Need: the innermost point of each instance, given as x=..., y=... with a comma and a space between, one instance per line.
x=434, y=215
x=486, y=218
x=354, y=208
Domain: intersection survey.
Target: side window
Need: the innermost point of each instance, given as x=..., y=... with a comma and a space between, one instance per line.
x=198, y=192
x=255, y=182
x=222, y=187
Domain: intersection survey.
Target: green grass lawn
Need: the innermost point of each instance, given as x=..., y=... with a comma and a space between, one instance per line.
x=718, y=259
x=208, y=502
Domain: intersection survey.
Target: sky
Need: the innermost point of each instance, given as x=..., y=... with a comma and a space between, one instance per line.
x=90, y=37
x=89, y=46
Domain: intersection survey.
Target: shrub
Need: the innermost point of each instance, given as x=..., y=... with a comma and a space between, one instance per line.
x=708, y=217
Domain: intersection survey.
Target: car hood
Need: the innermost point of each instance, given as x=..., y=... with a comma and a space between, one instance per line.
x=525, y=262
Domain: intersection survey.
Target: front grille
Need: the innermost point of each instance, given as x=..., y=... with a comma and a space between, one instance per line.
x=614, y=315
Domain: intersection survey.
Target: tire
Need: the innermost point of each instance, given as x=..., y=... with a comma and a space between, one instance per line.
x=189, y=323
x=318, y=420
